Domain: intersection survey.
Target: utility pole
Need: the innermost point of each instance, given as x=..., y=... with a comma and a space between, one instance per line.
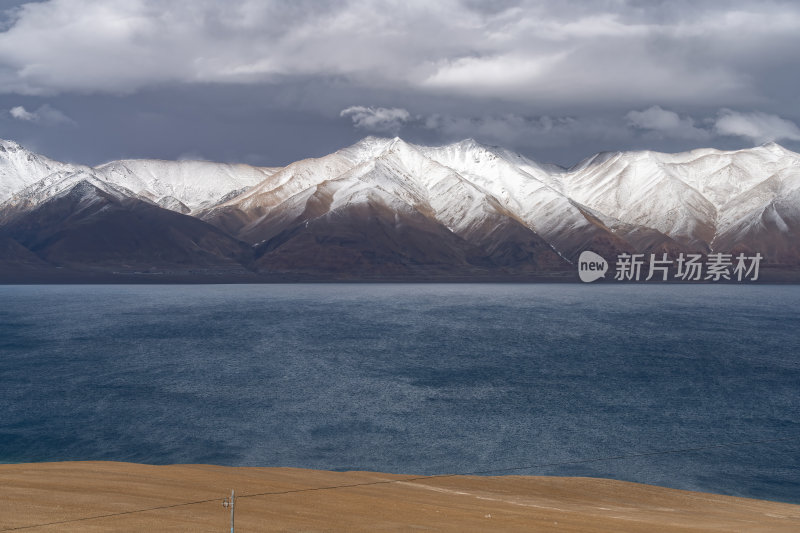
x=229, y=503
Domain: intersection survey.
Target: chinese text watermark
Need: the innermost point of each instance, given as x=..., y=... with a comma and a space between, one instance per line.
x=686, y=267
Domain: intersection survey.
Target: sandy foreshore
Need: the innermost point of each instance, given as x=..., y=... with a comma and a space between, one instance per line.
x=106, y=496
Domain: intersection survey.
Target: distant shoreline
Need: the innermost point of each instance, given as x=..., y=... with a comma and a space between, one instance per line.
x=73, y=277
x=192, y=281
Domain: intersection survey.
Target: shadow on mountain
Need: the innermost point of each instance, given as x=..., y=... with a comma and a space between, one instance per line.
x=88, y=228
x=373, y=239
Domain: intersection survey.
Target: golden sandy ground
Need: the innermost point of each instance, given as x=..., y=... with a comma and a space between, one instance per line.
x=74, y=496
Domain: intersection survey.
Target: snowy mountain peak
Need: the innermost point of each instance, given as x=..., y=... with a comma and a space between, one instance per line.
x=775, y=149
x=367, y=148
x=193, y=184
x=696, y=199
x=773, y=146
x=6, y=145
x=20, y=168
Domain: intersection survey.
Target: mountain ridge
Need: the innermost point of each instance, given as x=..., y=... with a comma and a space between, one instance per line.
x=383, y=205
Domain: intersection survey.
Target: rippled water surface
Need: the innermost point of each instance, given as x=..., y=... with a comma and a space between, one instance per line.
x=412, y=379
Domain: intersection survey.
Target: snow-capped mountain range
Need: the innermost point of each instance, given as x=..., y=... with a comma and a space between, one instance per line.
x=384, y=206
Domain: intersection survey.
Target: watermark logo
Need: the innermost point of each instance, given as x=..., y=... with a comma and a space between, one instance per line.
x=685, y=267
x=591, y=266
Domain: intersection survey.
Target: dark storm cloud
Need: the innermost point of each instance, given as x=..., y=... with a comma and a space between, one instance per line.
x=567, y=77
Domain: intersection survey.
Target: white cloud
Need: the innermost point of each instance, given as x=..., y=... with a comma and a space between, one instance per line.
x=121, y=46
x=379, y=119
x=45, y=114
x=663, y=122
x=20, y=113
x=656, y=118
x=758, y=126
x=493, y=74
x=531, y=52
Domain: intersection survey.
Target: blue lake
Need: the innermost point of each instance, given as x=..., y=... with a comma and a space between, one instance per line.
x=417, y=379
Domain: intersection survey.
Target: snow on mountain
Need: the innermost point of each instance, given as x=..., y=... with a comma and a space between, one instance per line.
x=702, y=200
x=765, y=218
x=389, y=165
x=58, y=184
x=366, y=149
x=390, y=168
x=181, y=186
x=290, y=180
x=402, y=171
x=192, y=184
x=636, y=198
x=431, y=180
x=640, y=188
x=532, y=192
x=473, y=158
x=20, y=168
x=692, y=196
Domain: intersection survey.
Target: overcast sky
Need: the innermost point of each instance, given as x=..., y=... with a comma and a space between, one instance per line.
x=267, y=82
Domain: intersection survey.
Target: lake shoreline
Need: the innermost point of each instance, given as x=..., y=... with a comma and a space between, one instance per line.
x=114, y=496
x=770, y=274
